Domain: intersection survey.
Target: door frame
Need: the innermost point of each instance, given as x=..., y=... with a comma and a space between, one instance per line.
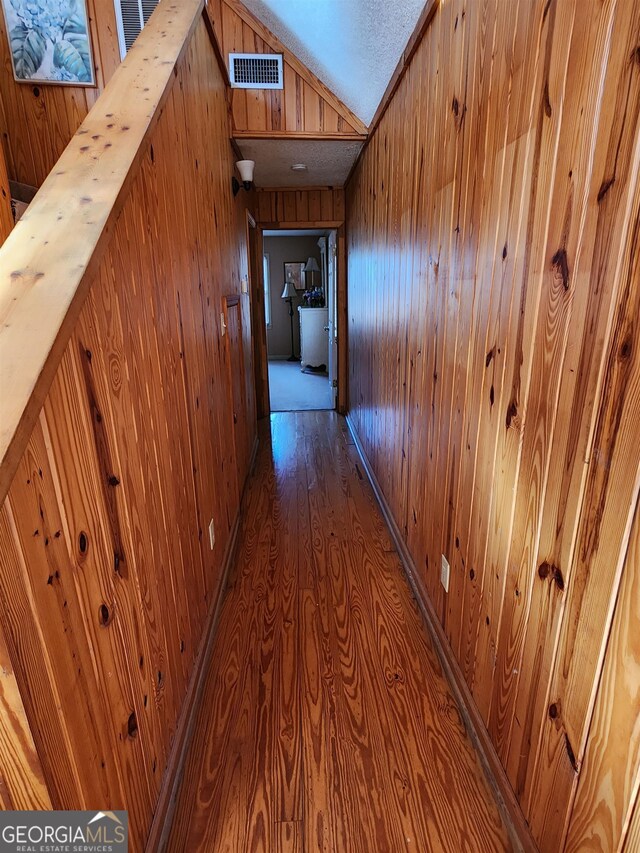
x=331, y=260
x=261, y=364
x=258, y=317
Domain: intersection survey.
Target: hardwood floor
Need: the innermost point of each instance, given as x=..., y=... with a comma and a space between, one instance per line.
x=326, y=722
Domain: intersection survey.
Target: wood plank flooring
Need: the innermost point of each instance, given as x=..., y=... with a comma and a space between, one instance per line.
x=326, y=722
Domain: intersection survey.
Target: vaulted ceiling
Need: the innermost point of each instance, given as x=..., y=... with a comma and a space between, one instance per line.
x=351, y=45
x=338, y=59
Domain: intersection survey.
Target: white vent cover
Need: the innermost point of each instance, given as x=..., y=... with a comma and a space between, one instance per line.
x=255, y=70
x=131, y=16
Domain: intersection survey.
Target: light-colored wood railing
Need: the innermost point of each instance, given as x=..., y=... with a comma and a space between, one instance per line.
x=48, y=261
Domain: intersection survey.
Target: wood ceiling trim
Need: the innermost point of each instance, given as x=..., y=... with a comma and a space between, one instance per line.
x=306, y=189
x=286, y=134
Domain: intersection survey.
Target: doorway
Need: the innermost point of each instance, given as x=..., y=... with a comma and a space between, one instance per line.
x=299, y=269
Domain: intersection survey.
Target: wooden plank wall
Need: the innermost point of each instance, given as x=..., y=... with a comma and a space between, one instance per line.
x=304, y=107
x=6, y=214
x=610, y=773
x=36, y=121
x=494, y=366
x=314, y=207
x=22, y=784
x=107, y=579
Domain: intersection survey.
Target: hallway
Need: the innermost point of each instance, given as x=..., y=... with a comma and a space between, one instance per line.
x=326, y=722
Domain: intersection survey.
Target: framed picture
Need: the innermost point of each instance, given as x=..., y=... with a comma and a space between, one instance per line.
x=295, y=272
x=49, y=41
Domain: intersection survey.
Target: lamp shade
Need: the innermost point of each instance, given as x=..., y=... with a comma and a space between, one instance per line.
x=311, y=266
x=245, y=167
x=289, y=290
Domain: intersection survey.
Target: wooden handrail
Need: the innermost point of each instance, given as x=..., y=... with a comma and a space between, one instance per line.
x=50, y=258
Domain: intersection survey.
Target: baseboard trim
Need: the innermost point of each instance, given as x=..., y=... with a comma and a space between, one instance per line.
x=163, y=815
x=514, y=819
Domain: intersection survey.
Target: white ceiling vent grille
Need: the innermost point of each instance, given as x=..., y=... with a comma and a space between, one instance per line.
x=255, y=70
x=131, y=16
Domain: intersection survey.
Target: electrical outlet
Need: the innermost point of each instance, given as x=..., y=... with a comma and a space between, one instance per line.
x=444, y=573
x=212, y=535
x=244, y=284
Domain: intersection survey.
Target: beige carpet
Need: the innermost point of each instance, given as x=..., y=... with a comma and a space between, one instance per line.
x=290, y=390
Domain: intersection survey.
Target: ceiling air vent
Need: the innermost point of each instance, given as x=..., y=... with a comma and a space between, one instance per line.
x=131, y=16
x=255, y=70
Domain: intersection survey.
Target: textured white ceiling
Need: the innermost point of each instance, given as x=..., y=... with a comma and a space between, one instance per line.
x=353, y=46
x=328, y=161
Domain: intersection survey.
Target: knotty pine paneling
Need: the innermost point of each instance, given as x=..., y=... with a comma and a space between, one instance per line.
x=21, y=780
x=106, y=572
x=312, y=207
x=632, y=837
x=607, y=788
x=492, y=278
x=36, y=121
x=304, y=106
x=6, y=214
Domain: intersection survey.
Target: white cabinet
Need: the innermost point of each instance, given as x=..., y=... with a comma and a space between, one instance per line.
x=314, y=338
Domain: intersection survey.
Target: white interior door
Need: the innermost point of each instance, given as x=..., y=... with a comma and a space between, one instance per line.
x=332, y=278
